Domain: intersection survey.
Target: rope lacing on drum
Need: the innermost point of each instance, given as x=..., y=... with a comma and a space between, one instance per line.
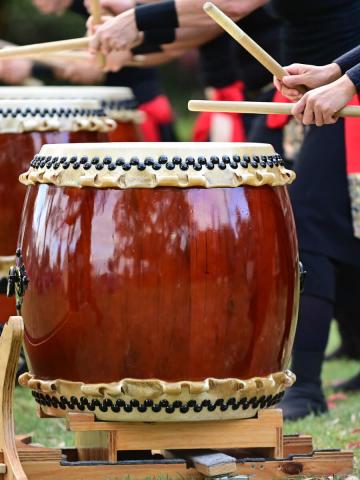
x=84, y=403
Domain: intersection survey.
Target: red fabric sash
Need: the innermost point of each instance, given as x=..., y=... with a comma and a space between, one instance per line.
x=202, y=126
x=275, y=120
x=157, y=112
x=352, y=148
x=352, y=141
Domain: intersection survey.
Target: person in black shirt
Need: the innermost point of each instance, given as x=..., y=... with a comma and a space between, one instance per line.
x=315, y=32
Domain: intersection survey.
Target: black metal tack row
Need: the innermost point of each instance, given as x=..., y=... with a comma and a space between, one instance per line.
x=183, y=407
x=184, y=164
x=120, y=104
x=52, y=112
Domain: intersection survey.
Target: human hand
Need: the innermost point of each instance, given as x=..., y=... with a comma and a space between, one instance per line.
x=309, y=76
x=84, y=72
x=116, y=60
x=15, y=71
x=321, y=105
x=116, y=33
x=52, y=6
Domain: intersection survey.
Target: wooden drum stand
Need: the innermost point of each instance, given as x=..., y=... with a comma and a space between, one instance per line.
x=190, y=450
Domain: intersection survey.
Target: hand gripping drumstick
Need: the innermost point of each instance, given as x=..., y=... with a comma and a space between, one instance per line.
x=95, y=9
x=246, y=42
x=257, y=108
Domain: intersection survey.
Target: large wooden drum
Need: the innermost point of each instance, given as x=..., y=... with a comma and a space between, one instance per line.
x=119, y=104
x=26, y=125
x=164, y=280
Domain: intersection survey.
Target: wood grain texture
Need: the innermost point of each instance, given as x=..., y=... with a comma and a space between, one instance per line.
x=169, y=283
x=261, y=432
x=264, y=108
x=46, y=47
x=10, y=345
x=295, y=444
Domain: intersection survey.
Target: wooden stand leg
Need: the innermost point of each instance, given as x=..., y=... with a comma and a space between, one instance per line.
x=10, y=345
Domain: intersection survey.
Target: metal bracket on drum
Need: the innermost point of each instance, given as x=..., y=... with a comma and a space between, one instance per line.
x=18, y=281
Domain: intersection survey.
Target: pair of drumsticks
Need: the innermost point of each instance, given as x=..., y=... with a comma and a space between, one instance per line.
x=194, y=105
x=266, y=60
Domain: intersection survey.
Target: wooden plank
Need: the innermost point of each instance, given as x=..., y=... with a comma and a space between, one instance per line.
x=320, y=464
x=54, y=471
x=37, y=452
x=295, y=444
x=10, y=345
x=262, y=432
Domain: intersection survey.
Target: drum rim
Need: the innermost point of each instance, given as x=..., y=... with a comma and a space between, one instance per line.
x=72, y=92
x=150, y=165
x=171, y=400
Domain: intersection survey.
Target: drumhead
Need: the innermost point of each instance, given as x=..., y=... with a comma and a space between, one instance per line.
x=27, y=115
x=119, y=102
x=150, y=165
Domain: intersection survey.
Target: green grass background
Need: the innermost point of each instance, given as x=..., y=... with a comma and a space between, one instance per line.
x=333, y=430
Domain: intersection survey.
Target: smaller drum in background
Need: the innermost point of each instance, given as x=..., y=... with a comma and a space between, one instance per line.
x=119, y=104
x=26, y=125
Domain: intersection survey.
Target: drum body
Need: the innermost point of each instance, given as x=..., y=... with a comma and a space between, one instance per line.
x=18, y=145
x=169, y=303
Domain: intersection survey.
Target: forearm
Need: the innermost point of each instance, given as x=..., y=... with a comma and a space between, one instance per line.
x=187, y=38
x=349, y=59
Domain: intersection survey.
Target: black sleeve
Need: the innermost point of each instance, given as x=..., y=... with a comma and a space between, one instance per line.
x=156, y=15
x=78, y=7
x=349, y=59
x=354, y=75
x=217, y=65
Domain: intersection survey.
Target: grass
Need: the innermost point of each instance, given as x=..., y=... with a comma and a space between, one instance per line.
x=333, y=430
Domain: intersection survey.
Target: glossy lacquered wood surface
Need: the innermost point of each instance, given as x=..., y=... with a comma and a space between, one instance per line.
x=165, y=283
x=125, y=132
x=16, y=153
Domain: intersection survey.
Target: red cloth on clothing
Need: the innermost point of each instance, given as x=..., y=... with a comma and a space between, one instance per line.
x=157, y=112
x=352, y=140
x=275, y=120
x=202, y=127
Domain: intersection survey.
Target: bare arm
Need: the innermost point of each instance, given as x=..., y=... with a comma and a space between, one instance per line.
x=121, y=32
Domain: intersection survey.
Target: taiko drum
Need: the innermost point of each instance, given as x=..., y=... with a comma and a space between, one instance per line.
x=26, y=125
x=163, y=280
x=119, y=104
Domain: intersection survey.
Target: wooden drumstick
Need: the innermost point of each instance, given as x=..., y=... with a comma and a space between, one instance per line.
x=44, y=48
x=257, y=108
x=95, y=9
x=55, y=56
x=246, y=42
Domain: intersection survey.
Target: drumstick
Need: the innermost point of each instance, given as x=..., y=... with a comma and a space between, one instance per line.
x=71, y=55
x=246, y=42
x=257, y=107
x=44, y=48
x=95, y=10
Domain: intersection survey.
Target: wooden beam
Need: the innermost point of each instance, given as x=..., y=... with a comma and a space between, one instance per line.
x=265, y=431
